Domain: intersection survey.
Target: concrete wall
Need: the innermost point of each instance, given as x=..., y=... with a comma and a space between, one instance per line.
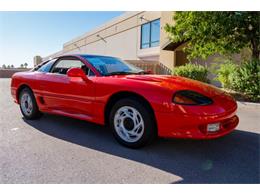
x=37, y=60
x=8, y=73
x=167, y=58
x=123, y=31
x=119, y=37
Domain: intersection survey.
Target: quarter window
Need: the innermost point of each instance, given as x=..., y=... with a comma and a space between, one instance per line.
x=150, y=34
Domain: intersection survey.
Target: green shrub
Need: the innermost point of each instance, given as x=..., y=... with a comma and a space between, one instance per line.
x=247, y=80
x=193, y=71
x=225, y=74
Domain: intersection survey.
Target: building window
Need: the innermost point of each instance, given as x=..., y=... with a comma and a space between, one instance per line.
x=150, y=34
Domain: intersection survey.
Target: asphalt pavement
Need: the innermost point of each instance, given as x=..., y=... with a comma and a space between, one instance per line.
x=57, y=149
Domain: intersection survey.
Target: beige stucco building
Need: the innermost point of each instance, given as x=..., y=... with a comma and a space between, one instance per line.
x=134, y=36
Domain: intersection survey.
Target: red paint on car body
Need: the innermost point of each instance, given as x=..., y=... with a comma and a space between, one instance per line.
x=87, y=100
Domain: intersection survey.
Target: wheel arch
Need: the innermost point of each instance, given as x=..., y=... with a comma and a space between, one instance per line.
x=126, y=94
x=19, y=89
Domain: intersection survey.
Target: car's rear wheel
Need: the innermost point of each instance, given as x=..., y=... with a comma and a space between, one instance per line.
x=132, y=123
x=28, y=104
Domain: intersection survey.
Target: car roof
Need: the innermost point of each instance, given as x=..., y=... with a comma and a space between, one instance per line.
x=86, y=55
x=79, y=55
x=90, y=55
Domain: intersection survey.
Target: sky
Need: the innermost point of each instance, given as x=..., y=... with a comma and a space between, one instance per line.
x=26, y=34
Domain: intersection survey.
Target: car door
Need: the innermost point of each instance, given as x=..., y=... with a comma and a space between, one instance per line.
x=40, y=81
x=65, y=95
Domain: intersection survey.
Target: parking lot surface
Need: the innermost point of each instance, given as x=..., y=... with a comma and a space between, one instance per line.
x=57, y=149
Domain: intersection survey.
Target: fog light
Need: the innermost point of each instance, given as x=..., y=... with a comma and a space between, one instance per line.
x=213, y=127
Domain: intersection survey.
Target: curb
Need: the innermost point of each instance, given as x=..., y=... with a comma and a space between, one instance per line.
x=248, y=104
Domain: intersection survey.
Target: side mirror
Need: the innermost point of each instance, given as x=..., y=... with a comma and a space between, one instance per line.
x=77, y=73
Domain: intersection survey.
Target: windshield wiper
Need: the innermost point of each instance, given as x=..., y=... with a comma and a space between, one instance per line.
x=126, y=73
x=141, y=72
x=144, y=72
x=119, y=73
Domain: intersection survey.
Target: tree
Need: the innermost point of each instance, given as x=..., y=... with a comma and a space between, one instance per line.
x=208, y=33
x=8, y=66
x=25, y=65
x=3, y=66
x=12, y=66
x=21, y=66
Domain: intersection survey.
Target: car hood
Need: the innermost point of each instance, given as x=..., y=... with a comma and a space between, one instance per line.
x=175, y=83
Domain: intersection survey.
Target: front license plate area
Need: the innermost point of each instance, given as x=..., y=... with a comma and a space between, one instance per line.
x=213, y=127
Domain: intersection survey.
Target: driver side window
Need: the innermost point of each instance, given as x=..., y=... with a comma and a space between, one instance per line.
x=63, y=66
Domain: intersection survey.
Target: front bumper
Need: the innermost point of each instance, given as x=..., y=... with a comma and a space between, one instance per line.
x=172, y=125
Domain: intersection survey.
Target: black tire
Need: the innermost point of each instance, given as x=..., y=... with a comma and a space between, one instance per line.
x=150, y=130
x=35, y=113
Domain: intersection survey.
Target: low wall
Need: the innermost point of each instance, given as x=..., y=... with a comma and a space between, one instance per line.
x=7, y=73
x=154, y=66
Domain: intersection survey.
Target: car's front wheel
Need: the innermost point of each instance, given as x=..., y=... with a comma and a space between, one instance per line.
x=132, y=123
x=28, y=104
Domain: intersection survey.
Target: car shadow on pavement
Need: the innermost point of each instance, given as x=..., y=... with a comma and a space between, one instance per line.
x=230, y=159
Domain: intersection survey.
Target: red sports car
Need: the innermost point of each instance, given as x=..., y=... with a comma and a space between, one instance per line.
x=136, y=105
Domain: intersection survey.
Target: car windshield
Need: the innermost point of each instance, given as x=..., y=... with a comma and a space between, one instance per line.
x=112, y=66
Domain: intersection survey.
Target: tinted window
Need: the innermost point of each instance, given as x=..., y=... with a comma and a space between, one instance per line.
x=155, y=33
x=47, y=66
x=146, y=35
x=109, y=65
x=91, y=73
x=150, y=34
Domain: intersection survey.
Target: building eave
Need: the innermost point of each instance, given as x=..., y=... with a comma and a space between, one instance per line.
x=172, y=46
